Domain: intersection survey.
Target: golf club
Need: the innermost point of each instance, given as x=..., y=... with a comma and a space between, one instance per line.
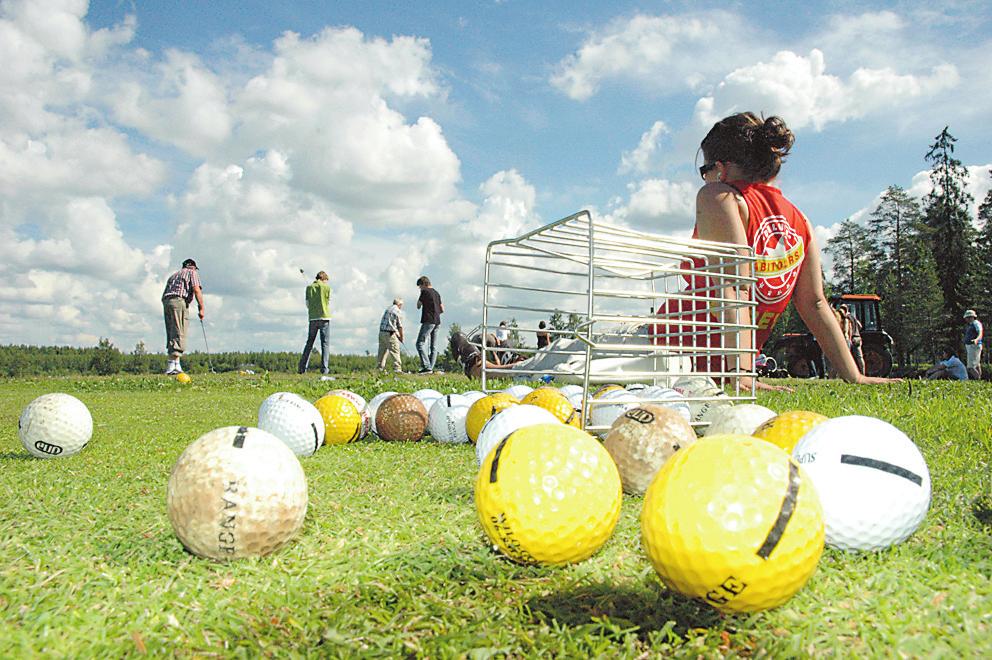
x=207, y=346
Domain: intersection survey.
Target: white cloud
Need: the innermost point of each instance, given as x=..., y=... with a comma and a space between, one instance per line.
x=800, y=90
x=643, y=157
x=659, y=53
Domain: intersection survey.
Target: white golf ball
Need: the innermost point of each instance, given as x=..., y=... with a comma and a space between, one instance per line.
x=668, y=397
x=636, y=388
x=55, y=425
x=506, y=422
x=373, y=406
x=473, y=396
x=236, y=492
x=691, y=384
x=569, y=390
x=604, y=415
x=873, y=482
x=294, y=420
x=705, y=403
x=738, y=420
x=519, y=391
x=446, y=419
x=427, y=397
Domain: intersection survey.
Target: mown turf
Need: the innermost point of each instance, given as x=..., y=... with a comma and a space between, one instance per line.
x=391, y=560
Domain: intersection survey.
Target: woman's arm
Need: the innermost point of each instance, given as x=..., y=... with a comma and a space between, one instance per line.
x=811, y=303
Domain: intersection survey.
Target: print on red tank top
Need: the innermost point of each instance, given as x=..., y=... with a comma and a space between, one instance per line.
x=778, y=234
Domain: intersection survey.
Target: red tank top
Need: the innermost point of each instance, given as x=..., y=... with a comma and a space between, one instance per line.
x=778, y=233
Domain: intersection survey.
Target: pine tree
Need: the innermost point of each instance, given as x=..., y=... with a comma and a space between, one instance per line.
x=947, y=216
x=557, y=321
x=982, y=292
x=906, y=276
x=851, y=250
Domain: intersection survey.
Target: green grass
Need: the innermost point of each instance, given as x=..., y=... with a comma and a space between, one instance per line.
x=391, y=559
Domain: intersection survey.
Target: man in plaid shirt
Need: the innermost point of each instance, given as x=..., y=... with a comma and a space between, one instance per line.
x=390, y=335
x=182, y=287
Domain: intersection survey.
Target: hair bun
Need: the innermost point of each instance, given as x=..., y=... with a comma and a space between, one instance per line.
x=777, y=135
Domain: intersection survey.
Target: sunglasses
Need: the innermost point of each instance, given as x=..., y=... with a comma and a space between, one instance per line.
x=705, y=169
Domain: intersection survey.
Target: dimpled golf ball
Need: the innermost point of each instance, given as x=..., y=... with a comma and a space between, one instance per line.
x=734, y=521
x=872, y=480
x=402, y=418
x=548, y=494
x=446, y=419
x=691, y=384
x=183, y=378
x=706, y=403
x=742, y=420
x=473, y=396
x=55, y=425
x=506, y=422
x=373, y=407
x=642, y=439
x=603, y=415
x=482, y=410
x=427, y=397
x=519, y=391
x=555, y=403
x=604, y=389
x=569, y=390
x=361, y=406
x=342, y=421
x=668, y=397
x=294, y=420
x=236, y=492
x=785, y=429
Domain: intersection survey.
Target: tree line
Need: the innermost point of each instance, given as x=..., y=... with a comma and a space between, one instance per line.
x=928, y=260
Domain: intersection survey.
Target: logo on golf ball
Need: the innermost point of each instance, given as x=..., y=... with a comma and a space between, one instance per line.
x=47, y=448
x=779, y=251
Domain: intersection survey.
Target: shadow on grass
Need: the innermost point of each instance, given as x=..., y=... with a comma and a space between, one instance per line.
x=648, y=607
x=17, y=456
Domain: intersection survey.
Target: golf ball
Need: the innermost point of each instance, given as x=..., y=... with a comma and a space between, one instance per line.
x=401, y=417
x=55, y=425
x=373, y=407
x=506, y=422
x=548, y=494
x=734, y=521
x=668, y=397
x=427, y=397
x=482, y=410
x=785, y=429
x=361, y=406
x=446, y=419
x=519, y=391
x=741, y=420
x=642, y=439
x=342, y=421
x=556, y=403
x=603, y=415
x=872, y=480
x=236, y=492
x=294, y=420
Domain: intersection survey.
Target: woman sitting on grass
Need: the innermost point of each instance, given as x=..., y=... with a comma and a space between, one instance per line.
x=738, y=203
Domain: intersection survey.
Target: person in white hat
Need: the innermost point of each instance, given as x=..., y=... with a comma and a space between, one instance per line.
x=973, y=335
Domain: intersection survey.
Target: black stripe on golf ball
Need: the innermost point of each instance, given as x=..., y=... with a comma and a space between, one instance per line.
x=495, y=465
x=876, y=464
x=239, y=439
x=784, y=513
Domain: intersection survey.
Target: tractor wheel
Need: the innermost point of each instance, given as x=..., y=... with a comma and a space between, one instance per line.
x=878, y=361
x=798, y=366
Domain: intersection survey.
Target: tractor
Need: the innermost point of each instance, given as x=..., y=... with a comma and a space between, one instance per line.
x=800, y=355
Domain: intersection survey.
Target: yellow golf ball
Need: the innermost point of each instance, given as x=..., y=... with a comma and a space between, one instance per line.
x=342, y=421
x=734, y=521
x=183, y=378
x=548, y=494
x=556, y=403
x=785, y=430
x=484, y=409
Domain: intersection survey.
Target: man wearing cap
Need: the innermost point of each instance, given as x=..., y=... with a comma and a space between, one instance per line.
x=182, y=286
x=973, y=335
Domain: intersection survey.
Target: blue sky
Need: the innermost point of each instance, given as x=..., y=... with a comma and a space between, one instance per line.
x=379, y=141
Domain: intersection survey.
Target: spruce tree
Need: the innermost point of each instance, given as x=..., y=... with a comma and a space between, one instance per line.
x=851, y=251
x=983, y=263
x=952, y=234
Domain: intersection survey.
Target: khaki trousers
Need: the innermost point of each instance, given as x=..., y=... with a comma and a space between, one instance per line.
x=176, y=320
x=389, y=347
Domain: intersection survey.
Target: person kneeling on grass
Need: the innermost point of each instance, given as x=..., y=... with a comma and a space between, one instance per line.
x=950, y=368
x=470, y=357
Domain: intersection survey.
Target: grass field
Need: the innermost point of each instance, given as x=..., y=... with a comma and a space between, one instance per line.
x=391, y=559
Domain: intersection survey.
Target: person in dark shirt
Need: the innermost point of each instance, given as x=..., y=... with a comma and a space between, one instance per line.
x=431, y=308
x=543, y=336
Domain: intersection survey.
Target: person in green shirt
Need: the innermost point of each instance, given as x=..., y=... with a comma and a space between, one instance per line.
x=319, y=308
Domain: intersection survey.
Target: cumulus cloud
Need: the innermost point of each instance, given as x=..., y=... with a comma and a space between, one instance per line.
x=799, y=89
x=661, y=53
x=644, y=156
